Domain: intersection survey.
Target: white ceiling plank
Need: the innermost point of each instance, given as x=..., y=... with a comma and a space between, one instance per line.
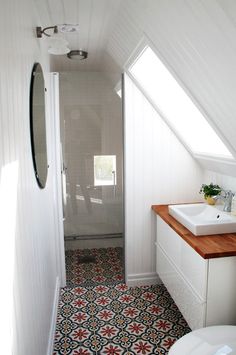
x=71, y=11
x=98, y=18
x=57, y=11
x=229, y=7
x=84, y=20
x=43, y=12
x=102, y=19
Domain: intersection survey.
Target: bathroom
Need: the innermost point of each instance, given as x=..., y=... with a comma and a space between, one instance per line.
x=197, y=40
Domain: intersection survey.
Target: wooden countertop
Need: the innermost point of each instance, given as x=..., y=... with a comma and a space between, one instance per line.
x=213, y=246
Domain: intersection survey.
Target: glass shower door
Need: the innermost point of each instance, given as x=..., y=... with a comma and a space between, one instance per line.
x=92, y=145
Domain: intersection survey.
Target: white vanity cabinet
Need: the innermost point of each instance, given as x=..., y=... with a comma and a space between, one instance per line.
x=203, y=289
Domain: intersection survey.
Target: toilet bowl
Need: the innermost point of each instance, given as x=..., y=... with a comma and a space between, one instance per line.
x=217, y=340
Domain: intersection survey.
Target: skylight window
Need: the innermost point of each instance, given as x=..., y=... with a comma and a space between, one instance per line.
x=176, y=106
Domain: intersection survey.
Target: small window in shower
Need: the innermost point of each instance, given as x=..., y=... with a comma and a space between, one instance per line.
x=104, y=170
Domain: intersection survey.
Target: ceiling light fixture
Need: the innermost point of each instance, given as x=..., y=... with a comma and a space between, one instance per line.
x=77, y=54
x=57, y=44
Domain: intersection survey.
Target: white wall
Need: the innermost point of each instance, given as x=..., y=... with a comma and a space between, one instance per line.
x=225, y=181
x=111, y=70
x=28, y=238
x=158, y=170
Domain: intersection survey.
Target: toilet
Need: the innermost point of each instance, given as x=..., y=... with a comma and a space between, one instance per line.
x=217, y=340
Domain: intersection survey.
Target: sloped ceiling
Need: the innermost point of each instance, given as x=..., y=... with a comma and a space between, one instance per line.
x=196, y=38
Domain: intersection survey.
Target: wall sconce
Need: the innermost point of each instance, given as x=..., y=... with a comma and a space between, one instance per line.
x=57, y=44
x=43, y=31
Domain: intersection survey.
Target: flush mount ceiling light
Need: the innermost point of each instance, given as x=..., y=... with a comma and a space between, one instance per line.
x=57, y=44
x=77, y=54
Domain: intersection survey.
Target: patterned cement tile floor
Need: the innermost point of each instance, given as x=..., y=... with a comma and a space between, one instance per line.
x=105, y=268
x=114, y=320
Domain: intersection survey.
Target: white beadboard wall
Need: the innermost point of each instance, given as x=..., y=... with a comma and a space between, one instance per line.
x=28, y=234
x=158, y=170
x=225, y=181
x=196, y=38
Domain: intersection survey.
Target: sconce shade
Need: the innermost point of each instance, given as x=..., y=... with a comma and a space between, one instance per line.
x=57, y=41
x=68, y=28
x=57, y=45
x=58, y=50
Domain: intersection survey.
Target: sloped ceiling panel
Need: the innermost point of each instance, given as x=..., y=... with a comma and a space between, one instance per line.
x=127, y=31
x=196, y=38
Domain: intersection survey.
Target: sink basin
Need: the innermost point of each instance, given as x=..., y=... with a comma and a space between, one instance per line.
x=202, y=219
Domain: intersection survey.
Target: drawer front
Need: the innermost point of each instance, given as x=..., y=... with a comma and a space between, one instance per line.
x=221, y=298
x=187, y=261
x=190, y=305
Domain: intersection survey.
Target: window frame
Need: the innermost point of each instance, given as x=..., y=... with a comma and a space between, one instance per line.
x=140, y=48
x=118, y=88
x=115, y=169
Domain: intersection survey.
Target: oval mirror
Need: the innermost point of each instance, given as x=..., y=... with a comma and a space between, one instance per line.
x=38, y=125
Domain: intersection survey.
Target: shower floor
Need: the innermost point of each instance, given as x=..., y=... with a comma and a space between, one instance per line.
x=92, y=267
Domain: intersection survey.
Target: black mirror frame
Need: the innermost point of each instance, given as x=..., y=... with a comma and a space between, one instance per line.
x=32, y=80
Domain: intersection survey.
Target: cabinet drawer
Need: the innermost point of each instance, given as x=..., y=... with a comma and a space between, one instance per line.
x=190, y=305
x=187, y=261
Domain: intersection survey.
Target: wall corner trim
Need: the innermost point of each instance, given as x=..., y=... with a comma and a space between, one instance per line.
x=146, y=279
x=53, y=317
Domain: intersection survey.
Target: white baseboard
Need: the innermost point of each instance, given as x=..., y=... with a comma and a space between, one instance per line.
x=54, y=317
x=143, y=279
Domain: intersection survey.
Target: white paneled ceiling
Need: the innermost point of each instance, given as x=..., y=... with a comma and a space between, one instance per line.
x=95, y=18
x=195, y=38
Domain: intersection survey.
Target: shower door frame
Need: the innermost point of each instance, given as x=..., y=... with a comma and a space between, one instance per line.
x=117, y=230
x=57, y=167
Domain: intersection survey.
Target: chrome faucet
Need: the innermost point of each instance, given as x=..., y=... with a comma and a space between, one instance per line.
x=227, y=198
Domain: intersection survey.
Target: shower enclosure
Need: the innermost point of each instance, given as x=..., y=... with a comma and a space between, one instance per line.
x=92, y=154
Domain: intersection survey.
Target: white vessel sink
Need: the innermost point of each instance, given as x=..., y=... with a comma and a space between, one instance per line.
x=202, y=219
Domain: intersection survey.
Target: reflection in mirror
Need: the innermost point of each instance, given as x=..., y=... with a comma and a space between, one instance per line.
x=38, y=125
